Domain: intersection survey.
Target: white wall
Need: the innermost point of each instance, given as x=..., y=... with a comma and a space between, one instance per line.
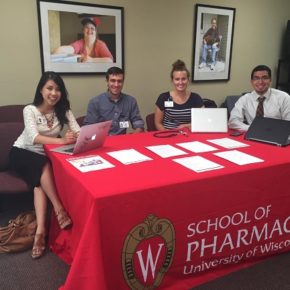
x=157, y=32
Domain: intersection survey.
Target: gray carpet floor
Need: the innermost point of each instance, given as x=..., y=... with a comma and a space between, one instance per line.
x=271, y=274
x=20, y=272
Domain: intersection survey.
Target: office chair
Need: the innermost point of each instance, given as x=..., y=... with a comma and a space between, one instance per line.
x=150, y=122
x=80, y=120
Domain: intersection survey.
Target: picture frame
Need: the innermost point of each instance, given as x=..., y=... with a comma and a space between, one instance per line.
x=213, y=41
x=67, y=28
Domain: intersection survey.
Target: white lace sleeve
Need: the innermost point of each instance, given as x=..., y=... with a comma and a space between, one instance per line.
x=30, y=123
x=72, y=123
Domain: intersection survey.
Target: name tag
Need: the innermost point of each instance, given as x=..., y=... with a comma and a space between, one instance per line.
x=168, y=104
x=41, y=120
x=124, y=124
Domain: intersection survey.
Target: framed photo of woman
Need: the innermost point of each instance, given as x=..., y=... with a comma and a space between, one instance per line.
x=77, y=38
x=213, y=41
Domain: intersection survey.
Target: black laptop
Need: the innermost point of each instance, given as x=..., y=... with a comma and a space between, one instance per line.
x=269, y=130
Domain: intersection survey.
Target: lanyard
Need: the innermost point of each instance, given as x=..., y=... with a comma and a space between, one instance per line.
x=170, y=133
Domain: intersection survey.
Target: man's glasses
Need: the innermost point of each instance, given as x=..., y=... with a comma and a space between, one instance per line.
x=263, y=78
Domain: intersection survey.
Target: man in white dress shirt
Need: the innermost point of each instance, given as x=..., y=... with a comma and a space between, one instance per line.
x=276, y=103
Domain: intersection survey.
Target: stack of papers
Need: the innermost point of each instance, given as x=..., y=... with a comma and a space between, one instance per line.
x=228, y=143
x=197, y=147
x=165, y=151
x=198, y=163
x=67, y=58
x=238, y=157
x=129, y=156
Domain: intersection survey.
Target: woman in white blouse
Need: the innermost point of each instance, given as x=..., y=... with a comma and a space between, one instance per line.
x=44, y=120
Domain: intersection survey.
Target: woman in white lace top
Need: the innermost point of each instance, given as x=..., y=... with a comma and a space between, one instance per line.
x=44, y=121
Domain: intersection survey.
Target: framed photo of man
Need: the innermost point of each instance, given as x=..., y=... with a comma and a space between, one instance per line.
x=77, y=38
x=213, y=41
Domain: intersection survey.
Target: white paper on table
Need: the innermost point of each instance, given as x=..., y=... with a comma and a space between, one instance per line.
x=90, y=163
x=129, y=156
x=197, y=146
x=238, y=157
x=228, y=143
x=198, y=163
x=165, y=151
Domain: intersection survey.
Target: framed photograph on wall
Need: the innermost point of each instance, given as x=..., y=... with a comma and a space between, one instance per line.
x=77, y=38
x=212, y=44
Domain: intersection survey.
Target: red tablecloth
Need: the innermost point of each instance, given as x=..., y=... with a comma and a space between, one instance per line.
x=159, y=223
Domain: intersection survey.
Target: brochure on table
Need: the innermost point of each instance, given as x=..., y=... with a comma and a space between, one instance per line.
x=90, y=163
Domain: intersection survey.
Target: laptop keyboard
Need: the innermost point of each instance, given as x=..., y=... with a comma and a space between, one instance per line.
x=69, y=150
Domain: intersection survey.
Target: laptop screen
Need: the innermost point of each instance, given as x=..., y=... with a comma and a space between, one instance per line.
x=211, y=120
x=91, y=137
x=269, y=130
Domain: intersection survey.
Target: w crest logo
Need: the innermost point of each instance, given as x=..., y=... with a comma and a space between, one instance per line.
x=148, y=253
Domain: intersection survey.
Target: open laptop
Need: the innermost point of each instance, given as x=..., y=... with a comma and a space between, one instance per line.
x=91, y=137
x=209, y=120
x=269, y=130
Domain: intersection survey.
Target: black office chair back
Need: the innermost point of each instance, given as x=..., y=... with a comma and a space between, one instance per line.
x=209, y=103
x=229, y=103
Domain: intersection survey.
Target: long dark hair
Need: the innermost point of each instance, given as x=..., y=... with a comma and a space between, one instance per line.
x=63, y=105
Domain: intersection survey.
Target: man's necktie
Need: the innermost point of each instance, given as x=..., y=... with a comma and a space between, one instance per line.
x=260, y=108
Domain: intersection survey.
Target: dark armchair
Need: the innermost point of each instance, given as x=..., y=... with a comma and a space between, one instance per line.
x=11, y=113
x=9, y=182
x=15, y=194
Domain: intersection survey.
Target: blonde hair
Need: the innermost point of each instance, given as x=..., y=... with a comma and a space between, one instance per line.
x=179, y=65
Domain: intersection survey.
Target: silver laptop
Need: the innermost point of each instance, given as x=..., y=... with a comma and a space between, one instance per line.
x=269, y=130
x=209, y=120
x=91, y=137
